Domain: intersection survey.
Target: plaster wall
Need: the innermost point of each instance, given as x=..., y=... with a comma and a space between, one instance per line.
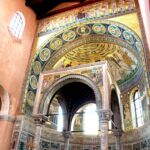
x=14, y=54
x=14, y=57
x=5, y=134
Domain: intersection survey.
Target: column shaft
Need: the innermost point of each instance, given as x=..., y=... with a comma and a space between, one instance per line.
x=104, y=135
x=67, y=136
x=37, y=137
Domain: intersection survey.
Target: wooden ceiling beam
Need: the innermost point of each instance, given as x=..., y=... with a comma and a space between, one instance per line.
x=42, y=7
x=67, y=8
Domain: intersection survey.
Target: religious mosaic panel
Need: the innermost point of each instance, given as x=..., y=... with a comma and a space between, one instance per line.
x=26, y=141
x=78, y=124
x=93, y=72
x=99, y=10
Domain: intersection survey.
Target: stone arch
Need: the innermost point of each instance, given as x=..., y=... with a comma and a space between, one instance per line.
x=64, y=81
x=4, y=101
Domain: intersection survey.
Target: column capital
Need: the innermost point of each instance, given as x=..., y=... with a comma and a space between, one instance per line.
x=105, y=115
x=39, y=119
x=67, y=134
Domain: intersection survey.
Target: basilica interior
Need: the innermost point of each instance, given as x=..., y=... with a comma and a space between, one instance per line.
x=75, y=75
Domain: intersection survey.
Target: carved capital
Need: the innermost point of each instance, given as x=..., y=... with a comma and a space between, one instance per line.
x=67, y=134
x=105, y=115
x=40, y=119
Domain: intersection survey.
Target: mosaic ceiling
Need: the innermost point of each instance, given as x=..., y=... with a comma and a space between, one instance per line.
x=123, y=63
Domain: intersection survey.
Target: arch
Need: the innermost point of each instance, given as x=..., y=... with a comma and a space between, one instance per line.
x=64, y=81
x=115, y=108
x=4, y=101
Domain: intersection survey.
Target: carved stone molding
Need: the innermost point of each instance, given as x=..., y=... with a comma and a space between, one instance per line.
x=40, y=119
x=7, y=118
x=67, y=134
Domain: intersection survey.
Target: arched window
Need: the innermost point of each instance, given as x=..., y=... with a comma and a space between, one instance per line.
x=136, y=108
x=60, y=119
x=90, y=114
x=17, y=25
x=82, y=120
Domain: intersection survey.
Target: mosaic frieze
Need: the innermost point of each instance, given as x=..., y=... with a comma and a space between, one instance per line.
x=99, y=10
x=93, y=72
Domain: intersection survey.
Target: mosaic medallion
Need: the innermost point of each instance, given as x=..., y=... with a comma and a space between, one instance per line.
x=30, y=98
x=114, y=30
x=99, y=28
x=45, y=54
x=69, y=35
x=33, y=82
x=36, y=67
x=56, y=44
x=128, y=37
x=138, y=46
x=83, y=30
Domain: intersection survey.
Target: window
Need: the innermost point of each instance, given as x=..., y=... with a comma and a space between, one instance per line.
x=60, y=119
x=136, y=108
x=17, y=25
x=90, y=114
x=82, y=120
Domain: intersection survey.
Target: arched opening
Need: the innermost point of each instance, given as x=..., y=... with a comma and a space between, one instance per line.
x=81, y=121
x=116, y=118
x=71, y=97
x=65, y=82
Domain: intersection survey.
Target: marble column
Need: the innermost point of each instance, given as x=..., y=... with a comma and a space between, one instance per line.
x=104, y=117
x=67, y=136
x=39, y=120
x=118, y=133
